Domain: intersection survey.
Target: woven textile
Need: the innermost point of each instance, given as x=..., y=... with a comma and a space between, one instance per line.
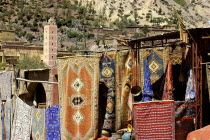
x=107, y=76
x=6, y=84
x=78, y=91
x=3, y=121
x=168, y=86
x=176, y=55
x=21, y=128
x=38, y=124
x=208, y=77
x=126, y=87
x=53, y=123
x=147, y=92
x=119, y=77
x=1, y=118
x=154, y=121
x=184, y=115
x=191, y=87
x=157, y=60
x=8, y=115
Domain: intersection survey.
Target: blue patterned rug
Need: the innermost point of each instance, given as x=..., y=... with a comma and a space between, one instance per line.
x=8, y=115
x=107, y=76
x=53, y=123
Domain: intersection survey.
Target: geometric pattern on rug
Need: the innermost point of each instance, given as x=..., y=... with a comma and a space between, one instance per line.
x=78, y=80
x=157, y=59
x=107, y=76
x=38, y=124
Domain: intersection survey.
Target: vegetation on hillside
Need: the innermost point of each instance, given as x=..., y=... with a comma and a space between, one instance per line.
x=180, y=2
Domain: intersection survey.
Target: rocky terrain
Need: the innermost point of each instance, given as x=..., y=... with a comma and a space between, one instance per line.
x=195, y=13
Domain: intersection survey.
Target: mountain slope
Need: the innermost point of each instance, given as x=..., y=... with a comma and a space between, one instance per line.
x=195, y=13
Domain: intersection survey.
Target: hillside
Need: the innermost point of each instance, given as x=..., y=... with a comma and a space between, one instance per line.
x=77, y=18
x=27, y=18
x=195, y=13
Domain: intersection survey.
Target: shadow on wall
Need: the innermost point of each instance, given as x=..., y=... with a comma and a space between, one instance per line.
x=36, y=94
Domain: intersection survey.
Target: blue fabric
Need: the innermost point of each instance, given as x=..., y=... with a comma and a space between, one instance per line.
x=147, y=92
x=107, y=76
x=53, y=123
x=2, y=119
x=153, y=56
x=191, y=87
x=8, y=113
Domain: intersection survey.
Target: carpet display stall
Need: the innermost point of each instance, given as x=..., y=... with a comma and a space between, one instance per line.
x=155, y=88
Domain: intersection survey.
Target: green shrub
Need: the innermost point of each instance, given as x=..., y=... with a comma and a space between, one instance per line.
x=137, y=35
x=33, y=62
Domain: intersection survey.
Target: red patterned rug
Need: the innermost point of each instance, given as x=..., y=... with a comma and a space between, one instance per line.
x=154, y=120
x=78, y=93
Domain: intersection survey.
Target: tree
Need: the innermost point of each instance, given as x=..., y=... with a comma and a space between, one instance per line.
x=33, y=62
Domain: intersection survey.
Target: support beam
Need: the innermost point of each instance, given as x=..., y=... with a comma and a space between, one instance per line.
x=206, y=37
x=36, y=81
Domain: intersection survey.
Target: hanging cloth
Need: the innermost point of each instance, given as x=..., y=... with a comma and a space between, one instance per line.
x=147, y=92
x=168, y=86
x=191, y=87
x=107, y=76
x=21, y=128
x=1, y=112
x=8, y=118
x=52, y=115
x=126, y=87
